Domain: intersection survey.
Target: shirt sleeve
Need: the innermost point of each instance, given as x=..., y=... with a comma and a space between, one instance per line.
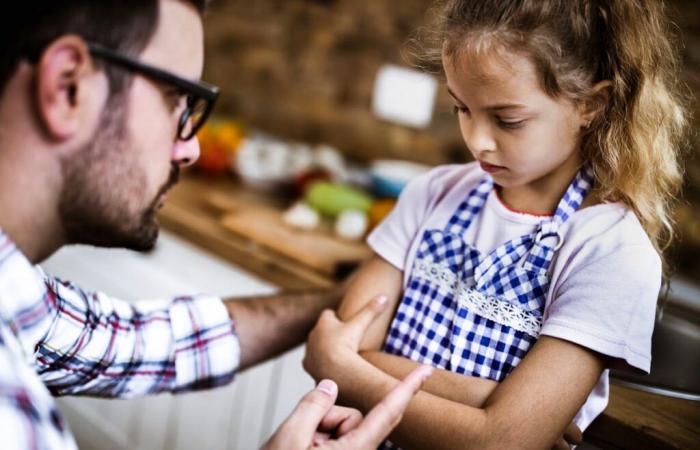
x=608, y=304
x=97, y=345
x=392, y=238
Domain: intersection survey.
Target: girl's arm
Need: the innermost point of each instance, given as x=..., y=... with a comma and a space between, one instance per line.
x=465, y=389
x=530, y=409
x=378, y=277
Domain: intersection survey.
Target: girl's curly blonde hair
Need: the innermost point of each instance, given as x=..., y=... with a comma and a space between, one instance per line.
x=634, y=145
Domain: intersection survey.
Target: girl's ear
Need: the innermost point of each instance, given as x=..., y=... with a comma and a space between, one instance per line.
x=595, y=102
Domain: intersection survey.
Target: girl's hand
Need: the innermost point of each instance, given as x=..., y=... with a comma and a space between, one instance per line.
x=318, y=423
x=333, y=343
x=572, y=436
x=333, y=347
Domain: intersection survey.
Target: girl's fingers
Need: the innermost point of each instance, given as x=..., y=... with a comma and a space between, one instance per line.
x=561, y=445
x=573, y=434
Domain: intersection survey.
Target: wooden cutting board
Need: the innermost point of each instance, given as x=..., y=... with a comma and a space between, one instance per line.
x=318, y=249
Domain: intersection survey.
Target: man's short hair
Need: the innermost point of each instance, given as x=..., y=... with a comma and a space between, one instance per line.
x=122, y=25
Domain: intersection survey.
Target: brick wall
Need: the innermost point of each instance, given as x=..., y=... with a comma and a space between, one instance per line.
x=304, y=69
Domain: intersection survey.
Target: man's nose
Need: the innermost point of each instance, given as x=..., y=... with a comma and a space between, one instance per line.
x=186, y=153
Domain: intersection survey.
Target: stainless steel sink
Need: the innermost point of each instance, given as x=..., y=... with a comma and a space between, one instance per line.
x=675, y=364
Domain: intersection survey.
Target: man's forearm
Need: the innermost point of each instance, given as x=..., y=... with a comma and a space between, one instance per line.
x=270, y=325
x=472, y=391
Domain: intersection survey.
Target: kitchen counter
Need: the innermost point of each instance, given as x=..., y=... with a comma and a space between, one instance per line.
x=189, y=214
x=633, y=419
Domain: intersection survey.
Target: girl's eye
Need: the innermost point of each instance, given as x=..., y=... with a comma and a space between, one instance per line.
x=510, y=124
x=459, y=109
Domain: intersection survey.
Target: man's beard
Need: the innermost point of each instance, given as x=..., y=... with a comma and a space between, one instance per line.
x=102, y=185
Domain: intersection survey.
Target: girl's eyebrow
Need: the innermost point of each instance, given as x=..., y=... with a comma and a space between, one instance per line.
x=497, y=107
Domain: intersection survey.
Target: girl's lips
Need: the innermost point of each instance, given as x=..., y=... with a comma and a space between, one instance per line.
x=490, y=168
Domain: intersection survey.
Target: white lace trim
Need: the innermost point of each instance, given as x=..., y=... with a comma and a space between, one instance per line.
x=487, y=306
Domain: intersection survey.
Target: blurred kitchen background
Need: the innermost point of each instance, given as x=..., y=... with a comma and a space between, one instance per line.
x=306, y=70
x=321, y=121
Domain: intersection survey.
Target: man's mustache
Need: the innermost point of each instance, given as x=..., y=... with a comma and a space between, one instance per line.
x=172, y=180
x=174, y=176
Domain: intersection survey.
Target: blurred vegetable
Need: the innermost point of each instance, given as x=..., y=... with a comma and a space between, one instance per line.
x=218, y=141
x=302, y=216
x=332, y=161
x=264, y=163
x=351, y=225
x=379, y=210
x=331, y=199
x=305, y=179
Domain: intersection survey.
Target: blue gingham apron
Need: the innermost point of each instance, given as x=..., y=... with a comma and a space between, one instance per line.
x=472, y=313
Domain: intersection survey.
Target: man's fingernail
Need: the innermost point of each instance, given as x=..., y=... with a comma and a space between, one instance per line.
x=426, y=373
x=327, y=387
x=381, y=299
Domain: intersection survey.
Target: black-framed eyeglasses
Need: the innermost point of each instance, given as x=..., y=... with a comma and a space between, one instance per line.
x=200, y=96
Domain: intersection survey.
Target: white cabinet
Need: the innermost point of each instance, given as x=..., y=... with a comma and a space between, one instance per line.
x=239, y=416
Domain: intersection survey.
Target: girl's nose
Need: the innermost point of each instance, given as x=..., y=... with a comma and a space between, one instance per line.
x=478, y=137
x=186, y=153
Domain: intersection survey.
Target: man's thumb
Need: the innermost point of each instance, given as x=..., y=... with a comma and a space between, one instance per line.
x=311, y=409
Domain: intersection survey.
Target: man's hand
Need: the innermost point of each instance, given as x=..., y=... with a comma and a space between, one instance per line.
x=318, y=423
x=333, y=341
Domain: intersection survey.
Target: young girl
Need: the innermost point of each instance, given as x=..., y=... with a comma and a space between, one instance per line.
x=528, y=273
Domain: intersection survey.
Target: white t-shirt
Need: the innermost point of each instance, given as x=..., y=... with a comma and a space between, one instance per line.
x=605, y=278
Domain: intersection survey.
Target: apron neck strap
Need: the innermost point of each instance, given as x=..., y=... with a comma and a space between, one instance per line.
x=575, y=193
x=547, y=235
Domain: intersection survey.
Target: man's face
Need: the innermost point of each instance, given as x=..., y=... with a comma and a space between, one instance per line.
x=115, y=185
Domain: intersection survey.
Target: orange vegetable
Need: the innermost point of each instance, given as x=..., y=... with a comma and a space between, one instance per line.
x=218, y=142
x=379, y=210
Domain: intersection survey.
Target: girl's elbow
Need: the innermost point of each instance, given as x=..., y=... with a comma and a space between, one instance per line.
x=494, y=433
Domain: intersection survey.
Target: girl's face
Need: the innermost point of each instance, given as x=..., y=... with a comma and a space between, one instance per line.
x=518, y=133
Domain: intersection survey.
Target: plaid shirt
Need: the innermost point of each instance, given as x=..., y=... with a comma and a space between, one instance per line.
x=56, y=339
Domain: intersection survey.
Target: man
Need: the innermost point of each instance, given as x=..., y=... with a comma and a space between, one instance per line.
x=98, y=111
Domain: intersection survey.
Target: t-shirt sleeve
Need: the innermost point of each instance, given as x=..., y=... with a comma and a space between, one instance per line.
x=608, y=304
x=392, y=238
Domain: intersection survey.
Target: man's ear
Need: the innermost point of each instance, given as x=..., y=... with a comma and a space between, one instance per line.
x=63, y=73
x=595, y=102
